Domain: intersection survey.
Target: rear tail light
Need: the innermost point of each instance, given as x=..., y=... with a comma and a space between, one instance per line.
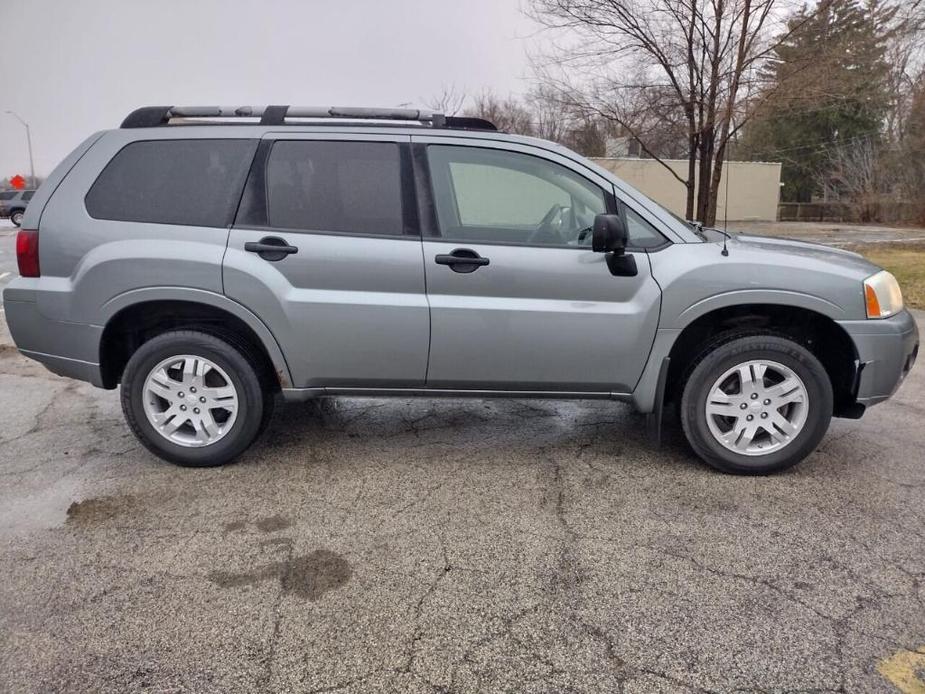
x=27, y=252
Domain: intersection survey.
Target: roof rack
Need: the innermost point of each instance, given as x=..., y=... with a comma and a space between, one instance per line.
x=154, y=116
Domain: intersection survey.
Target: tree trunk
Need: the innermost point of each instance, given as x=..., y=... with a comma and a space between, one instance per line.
x=705, y=172
x=716, y=182
x=691, y=174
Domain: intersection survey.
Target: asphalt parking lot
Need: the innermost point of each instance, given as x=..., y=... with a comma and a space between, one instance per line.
x=453, y=546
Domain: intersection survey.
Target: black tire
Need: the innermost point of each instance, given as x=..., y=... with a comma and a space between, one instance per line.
x=16, y=217
x=255, y=403
x=726, y=353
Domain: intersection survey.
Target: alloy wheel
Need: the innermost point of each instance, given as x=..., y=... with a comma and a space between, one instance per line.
x=190, y=400
x=757, y=407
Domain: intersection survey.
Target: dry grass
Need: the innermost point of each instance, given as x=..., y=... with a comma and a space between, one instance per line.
x=906, y=262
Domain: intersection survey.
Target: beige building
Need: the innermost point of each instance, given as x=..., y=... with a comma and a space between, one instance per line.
x=754, y=187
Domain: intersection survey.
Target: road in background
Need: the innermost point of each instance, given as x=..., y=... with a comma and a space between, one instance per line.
x=832, y=233
x=7, y=252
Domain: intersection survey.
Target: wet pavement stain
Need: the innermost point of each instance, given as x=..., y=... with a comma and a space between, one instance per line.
x=273, y=524
x=307, y=577
x=270, y=524
x=97, y=510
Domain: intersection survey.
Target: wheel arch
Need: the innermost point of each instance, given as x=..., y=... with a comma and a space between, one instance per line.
x=816, y=331
x=133, y=317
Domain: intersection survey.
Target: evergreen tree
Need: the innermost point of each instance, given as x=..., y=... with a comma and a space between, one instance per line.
x=827, y=88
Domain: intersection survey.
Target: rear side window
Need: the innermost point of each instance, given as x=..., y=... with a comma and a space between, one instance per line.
x=352, y=187
x=190, y=182
x=8, y=194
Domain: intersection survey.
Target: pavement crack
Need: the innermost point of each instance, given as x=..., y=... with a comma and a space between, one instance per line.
x=418, y=611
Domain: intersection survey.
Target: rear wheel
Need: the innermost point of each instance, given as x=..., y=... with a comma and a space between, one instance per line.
x=16, y=217
x=194, y=399
x=756, y=404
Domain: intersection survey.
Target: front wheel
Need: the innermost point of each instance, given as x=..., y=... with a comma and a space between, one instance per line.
x=193, y=399
x=16, y=217
x=756, y=404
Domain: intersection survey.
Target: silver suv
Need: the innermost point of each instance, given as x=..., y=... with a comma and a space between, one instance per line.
x=208, y=259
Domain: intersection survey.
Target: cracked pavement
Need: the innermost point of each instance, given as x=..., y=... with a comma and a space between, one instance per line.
x=450, y=546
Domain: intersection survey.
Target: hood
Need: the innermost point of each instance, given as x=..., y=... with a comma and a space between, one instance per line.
x=849, y=260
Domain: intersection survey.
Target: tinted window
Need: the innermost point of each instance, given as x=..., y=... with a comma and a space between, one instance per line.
x=7, y=195
x=335, y=186
x=492, y=195
x=28, y=195
x=195, y=182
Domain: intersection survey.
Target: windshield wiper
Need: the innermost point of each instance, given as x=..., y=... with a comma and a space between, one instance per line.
x=696, y=227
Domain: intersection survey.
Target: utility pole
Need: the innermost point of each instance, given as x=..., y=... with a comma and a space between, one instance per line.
x=29, y=143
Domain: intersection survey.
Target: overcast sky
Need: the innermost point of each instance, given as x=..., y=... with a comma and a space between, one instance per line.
x=72, y=67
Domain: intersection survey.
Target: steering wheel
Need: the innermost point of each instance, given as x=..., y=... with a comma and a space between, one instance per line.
x=546, y=233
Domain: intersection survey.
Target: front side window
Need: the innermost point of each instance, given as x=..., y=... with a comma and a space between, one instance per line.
x=28, y=195
x=494, y=196
x=641, y=234
x=190, y=182
x=347, y=187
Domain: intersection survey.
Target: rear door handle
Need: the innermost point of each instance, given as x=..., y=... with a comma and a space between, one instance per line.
x=463, y=260
x=270, y=248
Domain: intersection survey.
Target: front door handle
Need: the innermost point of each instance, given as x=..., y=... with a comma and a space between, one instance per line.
x=463, y=260
x=270, y=248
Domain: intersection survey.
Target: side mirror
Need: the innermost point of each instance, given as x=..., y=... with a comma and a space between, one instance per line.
x=608, y=234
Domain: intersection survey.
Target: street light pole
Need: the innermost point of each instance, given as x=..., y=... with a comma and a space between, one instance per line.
x=29, y=143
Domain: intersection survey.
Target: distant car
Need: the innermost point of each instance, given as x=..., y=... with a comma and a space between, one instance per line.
x=13, y=204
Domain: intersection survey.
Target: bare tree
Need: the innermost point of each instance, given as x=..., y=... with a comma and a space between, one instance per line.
x=449, y=101
x=691, y=67
x=858, y=175
x=508, y=114
x=906, y=56
x=552, y=120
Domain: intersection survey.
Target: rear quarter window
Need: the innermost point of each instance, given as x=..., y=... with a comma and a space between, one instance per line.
x=188, y=182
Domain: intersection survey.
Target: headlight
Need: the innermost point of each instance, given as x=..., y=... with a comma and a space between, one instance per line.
x=883, y=296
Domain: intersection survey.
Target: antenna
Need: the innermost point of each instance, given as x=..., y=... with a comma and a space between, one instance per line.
x=726, y=214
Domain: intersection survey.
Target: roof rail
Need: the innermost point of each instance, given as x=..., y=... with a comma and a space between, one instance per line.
x=154, y=116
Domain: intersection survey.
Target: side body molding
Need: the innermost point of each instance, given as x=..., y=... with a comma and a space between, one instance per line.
x=201, y=296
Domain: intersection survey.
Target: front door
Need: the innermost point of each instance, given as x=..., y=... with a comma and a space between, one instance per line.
x=326, y=251
x=518, y=299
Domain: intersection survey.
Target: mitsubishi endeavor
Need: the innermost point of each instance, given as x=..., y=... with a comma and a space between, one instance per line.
x=210, y=259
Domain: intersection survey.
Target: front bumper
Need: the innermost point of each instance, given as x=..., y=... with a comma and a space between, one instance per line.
x=886, y=350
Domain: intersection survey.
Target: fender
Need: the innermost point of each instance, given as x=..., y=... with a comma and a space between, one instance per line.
x=670, y=329
x=202, y=296
x=779, y=297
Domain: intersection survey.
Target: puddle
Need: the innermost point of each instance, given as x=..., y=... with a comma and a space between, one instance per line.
x=273, y=523
x=97, y=510
x=307, y=577
x=40, y=510
x=57, y=505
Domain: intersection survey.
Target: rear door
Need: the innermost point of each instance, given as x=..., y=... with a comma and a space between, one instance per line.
x=326, y=250
x=518, y=299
